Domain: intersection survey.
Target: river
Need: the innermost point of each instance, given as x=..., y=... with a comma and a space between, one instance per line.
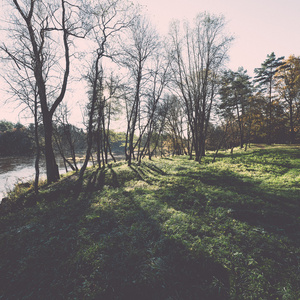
x=14, y=169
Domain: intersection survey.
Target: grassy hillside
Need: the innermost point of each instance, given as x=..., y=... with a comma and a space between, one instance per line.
x=168, y=229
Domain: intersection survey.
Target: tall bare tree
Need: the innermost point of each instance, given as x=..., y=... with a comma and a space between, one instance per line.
x=142, y=44
x=107, y=18
x=198, y=53
x=41, y=35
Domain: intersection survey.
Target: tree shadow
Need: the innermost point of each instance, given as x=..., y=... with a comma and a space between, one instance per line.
x=269, y=157
x=88, y=249
x=115, y=180
x=137, y=260
x=259, y=207
x=154, y=168
x=120, y=251
x=140, y=174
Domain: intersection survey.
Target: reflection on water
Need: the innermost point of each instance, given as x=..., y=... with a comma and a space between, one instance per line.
x=20, y=169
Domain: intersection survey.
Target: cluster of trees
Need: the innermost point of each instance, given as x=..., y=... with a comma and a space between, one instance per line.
x=168, y=88
x=15, y=139
x=263, y=109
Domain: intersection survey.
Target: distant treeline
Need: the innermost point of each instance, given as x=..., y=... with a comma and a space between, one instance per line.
x=17, y=139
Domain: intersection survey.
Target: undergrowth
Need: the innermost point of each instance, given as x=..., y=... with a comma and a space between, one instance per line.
x=166, y=229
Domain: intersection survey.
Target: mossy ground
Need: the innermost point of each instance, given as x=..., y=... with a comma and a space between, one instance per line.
x=168, y=229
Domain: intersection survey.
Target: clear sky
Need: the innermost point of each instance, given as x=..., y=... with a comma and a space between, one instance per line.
x=259, y=26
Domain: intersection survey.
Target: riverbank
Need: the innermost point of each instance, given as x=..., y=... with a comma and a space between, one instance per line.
x=20, y=169
x=167, y=229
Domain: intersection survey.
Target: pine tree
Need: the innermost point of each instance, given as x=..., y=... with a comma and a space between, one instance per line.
x=265, y=80
x=235, y=91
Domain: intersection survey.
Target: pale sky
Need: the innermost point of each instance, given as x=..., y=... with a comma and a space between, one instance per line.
x=259, y=26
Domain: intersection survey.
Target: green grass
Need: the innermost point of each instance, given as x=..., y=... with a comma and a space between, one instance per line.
x=167, y=229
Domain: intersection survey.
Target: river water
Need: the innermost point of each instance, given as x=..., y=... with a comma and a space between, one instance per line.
x=14, y=169
x=17, y=169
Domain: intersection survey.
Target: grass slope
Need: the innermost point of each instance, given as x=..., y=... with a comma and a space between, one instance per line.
x=168, y=229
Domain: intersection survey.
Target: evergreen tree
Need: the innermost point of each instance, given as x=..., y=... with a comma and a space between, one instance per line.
x=265, y=80
x=235, y=91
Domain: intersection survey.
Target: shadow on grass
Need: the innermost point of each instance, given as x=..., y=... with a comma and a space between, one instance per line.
x=271, y=157
x=36, y=263
x=96, y=180
x=113, y=244
x=154, y=168
x=115, y=181
x=145, y=170
x=132, y=258
x=140, y=174
x=252, y=204
x=70, y=249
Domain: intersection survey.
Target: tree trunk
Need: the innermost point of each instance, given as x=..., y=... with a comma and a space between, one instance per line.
x=107, y=135
x=51, y=166
x=38, y=148
x=292, y=134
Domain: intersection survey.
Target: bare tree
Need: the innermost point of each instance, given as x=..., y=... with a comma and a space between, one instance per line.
x=198, y=54
x=141, y=46
x=156, y=84
x=22, y=86
x=41, y=35
x=174, y=125
x=108, y=19
x=64, y=137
